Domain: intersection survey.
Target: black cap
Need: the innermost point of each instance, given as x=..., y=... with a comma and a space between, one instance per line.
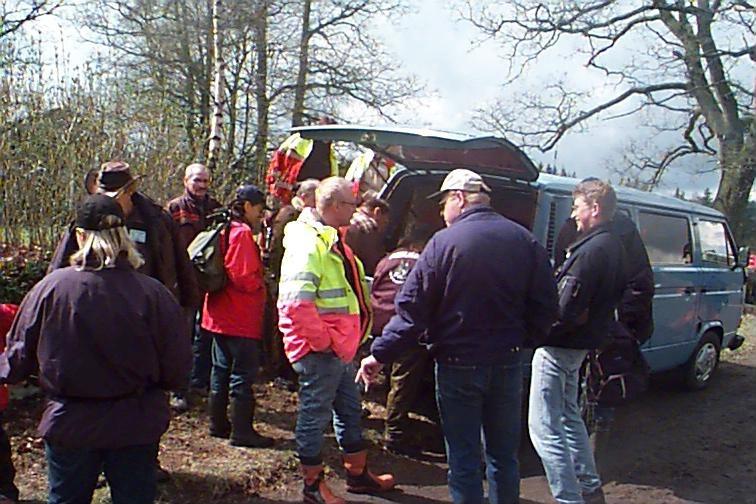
x=92, y=211
x=251, y=193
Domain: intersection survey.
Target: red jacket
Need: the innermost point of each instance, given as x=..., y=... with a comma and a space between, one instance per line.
x=7, y=314
x=237, y=309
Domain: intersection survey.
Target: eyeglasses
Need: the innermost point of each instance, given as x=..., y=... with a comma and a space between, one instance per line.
x=351, y=203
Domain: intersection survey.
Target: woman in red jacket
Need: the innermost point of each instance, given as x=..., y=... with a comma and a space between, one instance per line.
x=8, y=490
x=233, y=316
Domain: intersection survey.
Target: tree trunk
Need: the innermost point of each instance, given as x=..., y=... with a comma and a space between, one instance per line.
x=737, y=162
x=216, y=124
x=190, y=109
x=261, y=89
x=297, y=116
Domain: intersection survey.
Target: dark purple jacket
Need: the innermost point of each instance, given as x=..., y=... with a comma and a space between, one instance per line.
x=106, y=346
x=390, y=274
x=481, y=287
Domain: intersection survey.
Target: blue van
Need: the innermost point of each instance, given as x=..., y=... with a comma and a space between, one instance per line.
x=699, y=274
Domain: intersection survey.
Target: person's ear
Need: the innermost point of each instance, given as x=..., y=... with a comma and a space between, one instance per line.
x=595, y=210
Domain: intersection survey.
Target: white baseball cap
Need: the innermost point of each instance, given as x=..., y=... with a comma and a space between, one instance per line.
x=462, y=180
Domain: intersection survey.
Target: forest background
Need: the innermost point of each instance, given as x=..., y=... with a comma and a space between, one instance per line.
x=221, y=81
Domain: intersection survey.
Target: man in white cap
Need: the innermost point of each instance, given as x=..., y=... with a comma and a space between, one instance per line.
x=480, y=291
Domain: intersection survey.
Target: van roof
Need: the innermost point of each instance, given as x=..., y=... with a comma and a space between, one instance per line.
x=628, y=195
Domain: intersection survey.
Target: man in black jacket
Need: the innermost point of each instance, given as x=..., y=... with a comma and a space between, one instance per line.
x=590, y=284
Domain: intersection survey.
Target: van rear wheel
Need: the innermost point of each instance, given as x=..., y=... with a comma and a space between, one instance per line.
x=704, y=361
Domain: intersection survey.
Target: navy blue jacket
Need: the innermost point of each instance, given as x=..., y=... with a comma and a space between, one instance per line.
x=481, y=287
x=591, y=282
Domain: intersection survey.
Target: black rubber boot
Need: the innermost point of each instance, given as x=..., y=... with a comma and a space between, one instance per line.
x=242, y=431
x=217, y=404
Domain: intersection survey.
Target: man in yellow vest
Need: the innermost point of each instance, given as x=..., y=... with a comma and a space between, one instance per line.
x=324, y=314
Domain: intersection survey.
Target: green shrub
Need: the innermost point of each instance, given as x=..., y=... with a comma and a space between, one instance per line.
x=20, y=269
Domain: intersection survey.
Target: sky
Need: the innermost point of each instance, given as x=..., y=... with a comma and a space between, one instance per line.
x=463, y=73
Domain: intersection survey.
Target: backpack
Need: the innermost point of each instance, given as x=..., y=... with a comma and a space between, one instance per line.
x=207, y=253
x=618, y=373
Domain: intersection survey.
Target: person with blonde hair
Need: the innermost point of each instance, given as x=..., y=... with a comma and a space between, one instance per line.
x=107, y=344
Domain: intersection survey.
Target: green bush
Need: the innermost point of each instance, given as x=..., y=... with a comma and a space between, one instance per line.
x=20, y=269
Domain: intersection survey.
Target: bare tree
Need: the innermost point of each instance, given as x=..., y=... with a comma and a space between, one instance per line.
x=678, y=58
x=216, y=122
x=339, y=60
x=283, y=61
x=261, y=86
x=15, y=14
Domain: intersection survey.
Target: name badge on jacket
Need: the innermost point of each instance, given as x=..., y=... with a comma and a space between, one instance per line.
x=138, y=235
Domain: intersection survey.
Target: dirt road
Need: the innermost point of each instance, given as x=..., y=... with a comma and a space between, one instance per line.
x=668, y=447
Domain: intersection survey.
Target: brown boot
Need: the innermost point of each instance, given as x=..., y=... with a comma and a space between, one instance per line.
x=315, y=489
x=360, y=480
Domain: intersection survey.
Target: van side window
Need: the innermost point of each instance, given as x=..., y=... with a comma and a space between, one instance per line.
x=715, y=246
x=667, y=238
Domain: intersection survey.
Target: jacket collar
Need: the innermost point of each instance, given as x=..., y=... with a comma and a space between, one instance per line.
x=474, y=210
x=196, y=200
x=328, y=234
x=601, y=228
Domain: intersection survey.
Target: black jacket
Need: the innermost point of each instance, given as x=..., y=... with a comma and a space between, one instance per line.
x=481, y=287
x=635, y=309
x=590, y=281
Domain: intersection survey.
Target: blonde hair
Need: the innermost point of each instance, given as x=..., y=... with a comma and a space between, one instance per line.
x=595, y=191
x=104, y=247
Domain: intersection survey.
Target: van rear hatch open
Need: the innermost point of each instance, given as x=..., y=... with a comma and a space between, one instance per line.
x=428, y=156
x=423, y=149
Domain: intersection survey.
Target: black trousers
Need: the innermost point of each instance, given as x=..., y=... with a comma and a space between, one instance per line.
x=7, y=471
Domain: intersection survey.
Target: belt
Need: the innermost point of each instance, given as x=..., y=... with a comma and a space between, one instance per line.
x=467, y=361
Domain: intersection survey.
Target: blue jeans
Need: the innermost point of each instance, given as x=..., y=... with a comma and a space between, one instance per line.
x=202, y=344
x=556, y=425
x=487, y=398
x=327, y=391
x=235, y=364
x=72, y=474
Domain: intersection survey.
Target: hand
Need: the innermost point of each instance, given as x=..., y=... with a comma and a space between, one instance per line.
x=363, y=222
x=370, y=368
